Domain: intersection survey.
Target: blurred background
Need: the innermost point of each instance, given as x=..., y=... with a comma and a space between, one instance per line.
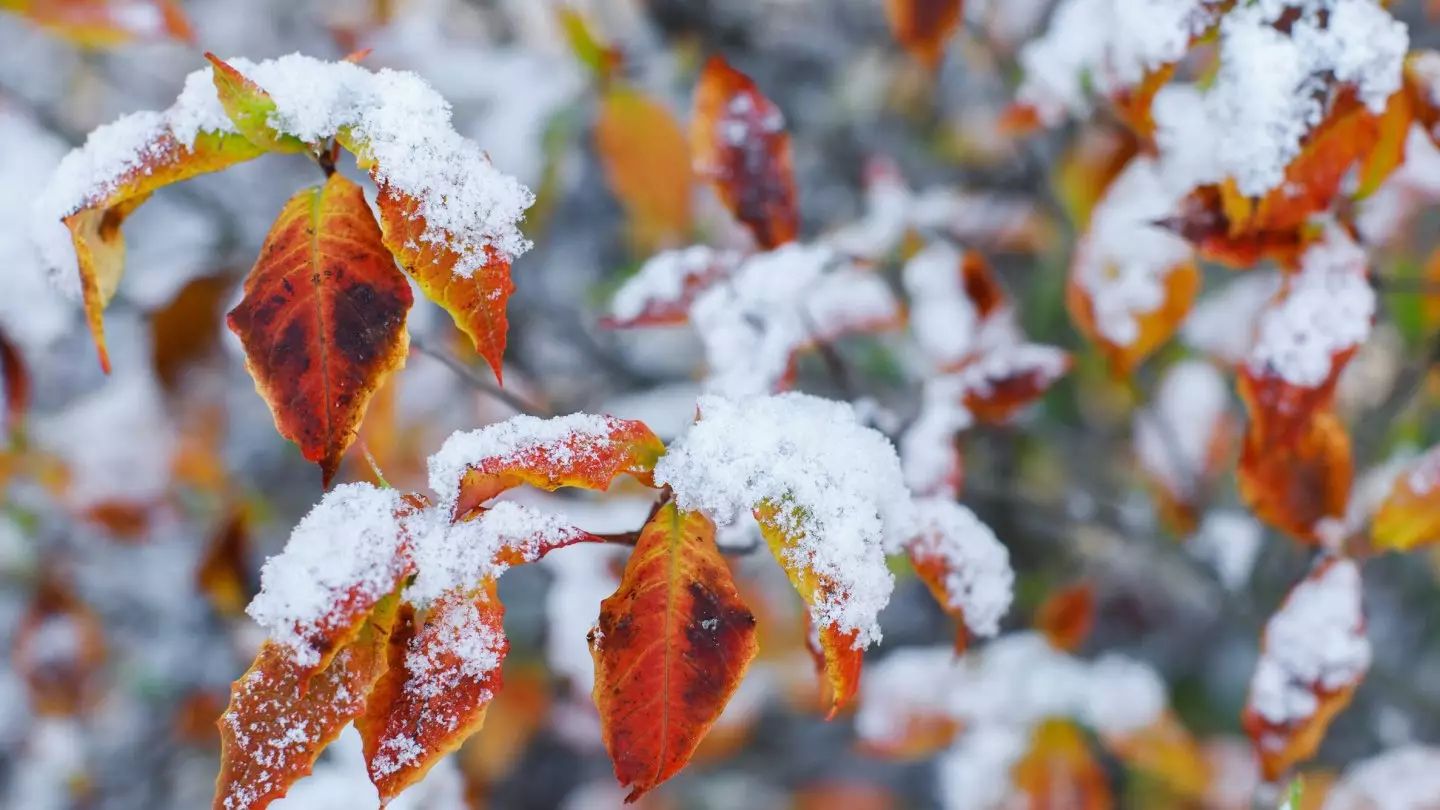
x=139, y=506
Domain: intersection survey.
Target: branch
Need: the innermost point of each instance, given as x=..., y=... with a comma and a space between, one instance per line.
x=474, y=380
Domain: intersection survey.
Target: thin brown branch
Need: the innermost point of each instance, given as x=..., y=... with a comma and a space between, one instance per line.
x=474, y=380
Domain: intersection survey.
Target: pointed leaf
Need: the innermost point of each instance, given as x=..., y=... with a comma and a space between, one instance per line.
x=964, y=566
x=1060, y=772
x=579, y=450
x=323, y=319
x=924, y=26
x=1166, y=750
x=250, y=108
x=740, y=145
x=280, y=718
x=1005, y=380
x=671, y=647
x=1409, y=517
x=1294, y=486
x=1389, y=150
x=444, y=670
x=1179, y=285
x=662, y=290
x=1067, y=615
x=646, y=158
x=602, y=59
x=16, y=381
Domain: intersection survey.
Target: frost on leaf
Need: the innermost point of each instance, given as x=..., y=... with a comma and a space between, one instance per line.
x=342, y=559
x=662, y=290
x=323, y=319
x=579, y=450
x=671, y=647
x=1409, y=517
x=1183, y=440
x=740, y=146
x=924, y=27
x=281, y=716
x=1314, y=654
x=827, y=492
x=964, y=565
x=444, y=669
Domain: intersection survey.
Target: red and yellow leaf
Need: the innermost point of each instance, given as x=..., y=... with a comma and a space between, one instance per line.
x=1088, y=167
x=1002, y=382
x=1067, y=616
x=106, y=23
x=95, y=226
x=187, y=330
x=250, y=108
x=1060, y=772
x=444, y=670
x=1133, y=104
x=924, y=27
x=588, y=459
x=1294, y=485
x=323, y=319
x=16, y=380
x=740, y=146
x=1409, y=517
x=602, y=59
x=280, y=717
x=670, y=648
x=646, y=158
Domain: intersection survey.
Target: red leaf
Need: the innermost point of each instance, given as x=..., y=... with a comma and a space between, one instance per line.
x=740, y=145
x=1067, y=616
x=924, y=26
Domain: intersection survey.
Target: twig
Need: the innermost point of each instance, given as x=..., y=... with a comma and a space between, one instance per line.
x=474, y=380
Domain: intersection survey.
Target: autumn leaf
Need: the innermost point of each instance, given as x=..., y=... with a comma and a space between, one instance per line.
x=16, y=379
x=187, y=330
x=95, y=225
x=106, y=23
x=1201, y=219
x=1087, y=168
x=323, y=319
x=576, y=451
x=740, y=146
x=1389, y=150
x=1067, y=616
x=602, y=59
x=1165, y=749
x=1181, y=285
x=444, y=670
x=1060, y=772
x=924, y=27
x=697, y=268
x=1133, y=105
x=222, y=573
x=646, y=159
x=58, y=649
x=250, y=109
x=1409, y=517
x=671, y=647
x=1001, y=382
x=280, y=717
x=1295, y=485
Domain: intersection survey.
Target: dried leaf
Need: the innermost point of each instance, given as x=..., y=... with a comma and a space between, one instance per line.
x=646, y=158
x=444, y=670
x=924, y=27
x=1409, y=517
x=741, y=147
x=671, y=647
x=1067, y=616
x=280, y=717
x=323, y=319
x=1294, y=485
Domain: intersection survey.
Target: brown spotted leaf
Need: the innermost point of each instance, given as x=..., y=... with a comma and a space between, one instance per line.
x=323, y=319
x=280, y=718
x=740, y=146
x=670, y=648
x=580, y=450
x=444, y=670
x=924, y=27
x=1409, y=517
x=646, y=158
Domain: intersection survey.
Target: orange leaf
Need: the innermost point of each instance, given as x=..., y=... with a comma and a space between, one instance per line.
x=1133, y=104
x=1409, y=517
x=187, y=329
x=646, y=158
x=924, y=26
x=1154, y=328
x=1007, y=379
x=1089, y=166
x=250, y=108
x=1296, y=484
x=1067, y=616
x=1166, y=749
x=740, y=145
x=280, y=717
x=1389, y=150
x=1059, y=772
x=222, y=573
x=444, y=671
x=662, y=290
x=1202, y=220
x=671, y=647
x=964, y=566
x=107, y=23
x=323, y=319
x=58, y=648
x=572, y=451
x=1314, y=654
x=95, y=224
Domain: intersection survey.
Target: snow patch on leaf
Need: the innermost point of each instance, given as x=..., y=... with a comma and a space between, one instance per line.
x=978, y=578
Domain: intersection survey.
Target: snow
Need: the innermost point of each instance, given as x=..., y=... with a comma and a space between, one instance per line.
x=348, y=549
x=980, y=376
x=456, y=645
x=975, y=772
x=911, y=682
x=1222, y=324
x=1229, y=540
x=943, y=319
x=1405, y=778
x=1174, y=436
x=340, y=782
x=928, y=455
x=886, y=218
x=836, y=487
x=522, y=440
x=1325, y=309
x=1315, y=642
x=669, y=280
x=399, y=121
x=1424, y=478
x=31, y=312
x=978, y=578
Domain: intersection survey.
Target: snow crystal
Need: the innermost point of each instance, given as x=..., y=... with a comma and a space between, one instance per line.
x=1229, y=540
x=1400, y=779
x=1174, y=436
x=459, y=556
x=978, y=579
x=1316, y=641
x=837, y=487
x=666, y=279
x=340, y=782
x=943, y=319
x=455, y=647
x=1222, y=324
x=1326, y=309
x=560, y=440
x=468, y=206
x=348, y=548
